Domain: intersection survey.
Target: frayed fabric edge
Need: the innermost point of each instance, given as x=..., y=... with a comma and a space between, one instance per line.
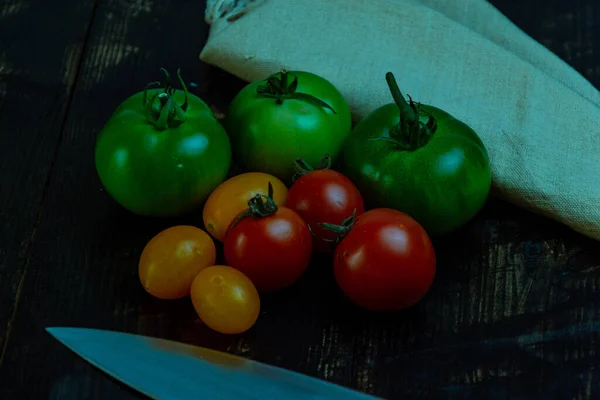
x=228, y=10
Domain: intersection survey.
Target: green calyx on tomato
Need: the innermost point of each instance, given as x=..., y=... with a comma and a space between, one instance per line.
x=257, y=208
x=277, y=87
x=340, y=230
x=302, y=168
x=411, y=132
x=288, y=115
x=162, y=151
x=420, y=160
x=166, y=113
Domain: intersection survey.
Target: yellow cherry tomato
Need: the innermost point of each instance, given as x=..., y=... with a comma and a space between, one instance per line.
x=172, y=259
x=231, y=198
x=225, y=299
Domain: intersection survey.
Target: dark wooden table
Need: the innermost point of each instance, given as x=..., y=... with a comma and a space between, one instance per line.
x=514, y=312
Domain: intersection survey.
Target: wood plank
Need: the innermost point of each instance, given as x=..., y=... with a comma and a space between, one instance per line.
x=512, y=312
x=86, y=277
x=36, y=82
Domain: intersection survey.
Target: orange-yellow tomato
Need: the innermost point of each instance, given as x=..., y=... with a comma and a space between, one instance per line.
x=172, y=259
x=225, y=299
x=231, y=198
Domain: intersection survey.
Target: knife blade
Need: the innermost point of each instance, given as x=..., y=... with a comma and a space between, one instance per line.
x=166, y=370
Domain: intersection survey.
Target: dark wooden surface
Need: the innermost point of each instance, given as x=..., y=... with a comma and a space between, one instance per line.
x=514, y=312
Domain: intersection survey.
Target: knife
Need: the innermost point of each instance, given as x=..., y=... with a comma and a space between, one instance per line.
x=167, y=370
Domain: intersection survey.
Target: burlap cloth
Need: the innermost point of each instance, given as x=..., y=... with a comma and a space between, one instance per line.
x=539, y=119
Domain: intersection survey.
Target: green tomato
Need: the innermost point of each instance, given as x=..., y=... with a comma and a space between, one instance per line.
x=289, y=115
x=420, y=160
x=162, y=152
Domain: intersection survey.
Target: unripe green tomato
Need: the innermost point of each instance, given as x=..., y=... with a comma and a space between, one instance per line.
x=162, y=167
x=290, y=115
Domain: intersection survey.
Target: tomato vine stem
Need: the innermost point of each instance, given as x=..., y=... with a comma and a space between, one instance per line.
x=411, y=132
x=165, y=113
x=276, y=87
x=302, y=168
x=259, y=206
x=342, y=230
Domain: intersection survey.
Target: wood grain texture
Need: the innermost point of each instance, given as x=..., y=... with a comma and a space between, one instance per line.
x=83, y=265
x=512, y=314
x=568, y=28
x=36, y=82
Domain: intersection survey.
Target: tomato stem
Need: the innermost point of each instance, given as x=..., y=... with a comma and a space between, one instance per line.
x=284, y=80
x=326, y=162
x=165, y=113
x=276, y=87
x=302, y=168
x=342, y=230
x=410, y=133
x=259, y=206
x=409, y=115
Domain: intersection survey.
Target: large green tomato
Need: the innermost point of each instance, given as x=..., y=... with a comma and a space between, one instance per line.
x=289, y=115
x=162, y=152
x=426, y=163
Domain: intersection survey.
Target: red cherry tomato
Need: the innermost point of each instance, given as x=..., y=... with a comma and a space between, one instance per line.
x=271, y=245
x=323, y=196
x=385, y=262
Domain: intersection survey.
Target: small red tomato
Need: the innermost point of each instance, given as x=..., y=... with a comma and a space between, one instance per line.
x=385, y=261
x=323, y=196
x=271, y=245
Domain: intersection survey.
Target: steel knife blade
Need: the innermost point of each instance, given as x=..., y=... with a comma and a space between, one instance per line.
x=168, y=370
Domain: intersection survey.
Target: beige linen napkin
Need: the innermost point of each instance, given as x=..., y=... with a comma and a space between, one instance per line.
x=539, y=119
